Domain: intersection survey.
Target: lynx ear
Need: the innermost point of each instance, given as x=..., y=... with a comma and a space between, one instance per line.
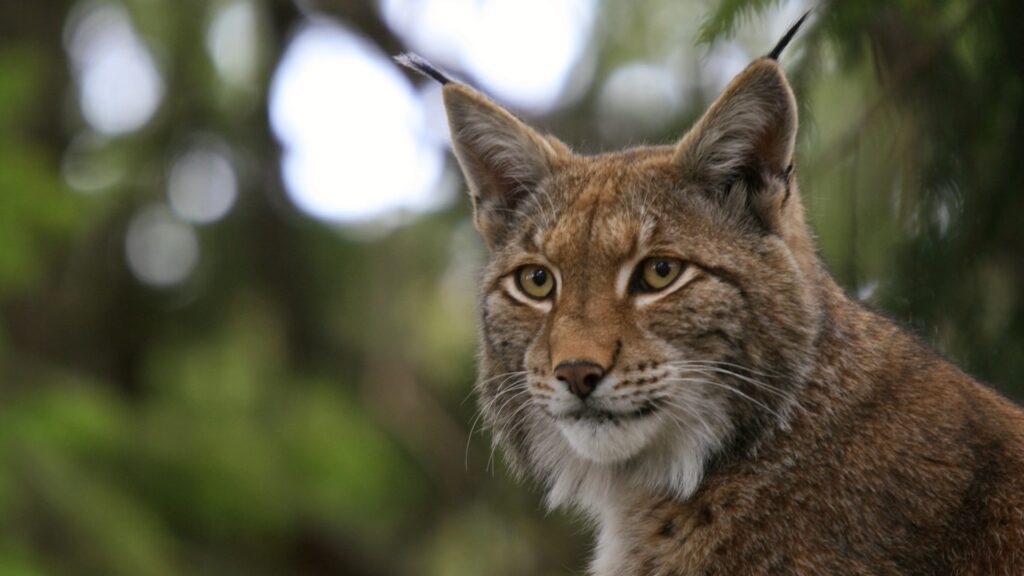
x=503, y=159
x=746, y=137
x=750, y=131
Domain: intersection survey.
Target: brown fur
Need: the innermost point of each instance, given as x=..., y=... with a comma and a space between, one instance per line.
x=817, y=437
x=899, y=465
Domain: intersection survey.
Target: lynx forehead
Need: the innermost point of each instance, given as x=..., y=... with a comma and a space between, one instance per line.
x=663, y=349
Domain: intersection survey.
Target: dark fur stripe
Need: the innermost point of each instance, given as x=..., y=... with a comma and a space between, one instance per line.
x=777, y=51
x=419, y=64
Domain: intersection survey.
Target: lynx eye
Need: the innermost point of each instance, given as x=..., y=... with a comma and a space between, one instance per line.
x=658, y=273
x=535, y=281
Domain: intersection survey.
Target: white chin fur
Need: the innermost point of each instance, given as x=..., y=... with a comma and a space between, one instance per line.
x=604, y=442
x=590, y=464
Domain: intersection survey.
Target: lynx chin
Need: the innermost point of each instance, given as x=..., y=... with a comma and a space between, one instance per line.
x=663, y=349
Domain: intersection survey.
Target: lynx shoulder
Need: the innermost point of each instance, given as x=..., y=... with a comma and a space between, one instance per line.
x=663, y=349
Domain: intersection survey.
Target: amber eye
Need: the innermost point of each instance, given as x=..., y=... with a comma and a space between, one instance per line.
x=657, y=273
x=535, y=281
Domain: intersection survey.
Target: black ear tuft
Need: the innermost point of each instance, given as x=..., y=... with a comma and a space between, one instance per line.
x=419, y=64
x=777, y=51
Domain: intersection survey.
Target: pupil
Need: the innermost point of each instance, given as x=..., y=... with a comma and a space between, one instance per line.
x=539, y=277
x=662, y=268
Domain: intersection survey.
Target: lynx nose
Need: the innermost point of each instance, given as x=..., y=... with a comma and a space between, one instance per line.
x=582, y=376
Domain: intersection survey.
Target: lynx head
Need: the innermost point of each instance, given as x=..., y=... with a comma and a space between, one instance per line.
x=643, y=311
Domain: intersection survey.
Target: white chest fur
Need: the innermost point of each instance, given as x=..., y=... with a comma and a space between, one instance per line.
x=611, y=550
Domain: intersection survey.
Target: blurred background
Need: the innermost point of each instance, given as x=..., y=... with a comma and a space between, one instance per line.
x=237, y=269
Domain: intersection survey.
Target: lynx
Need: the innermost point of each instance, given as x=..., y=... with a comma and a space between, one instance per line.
x=664, y=350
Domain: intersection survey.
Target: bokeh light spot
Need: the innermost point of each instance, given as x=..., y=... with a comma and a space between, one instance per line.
x=119, y=85
x=356, y=148
x=162, y=250
x=87, y=167
x=521, y=51
x=232, y=40
x=202, y=187
x=637, y=100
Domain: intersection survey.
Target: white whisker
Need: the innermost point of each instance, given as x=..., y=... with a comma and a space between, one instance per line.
x=520, y=385
x=511, y=419
x=729, y=388
x=706, y=367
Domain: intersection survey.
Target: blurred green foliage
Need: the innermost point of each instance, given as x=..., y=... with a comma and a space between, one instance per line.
x=299, y=406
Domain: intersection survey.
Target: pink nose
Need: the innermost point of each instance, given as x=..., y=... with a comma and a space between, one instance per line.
x=582, y=376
